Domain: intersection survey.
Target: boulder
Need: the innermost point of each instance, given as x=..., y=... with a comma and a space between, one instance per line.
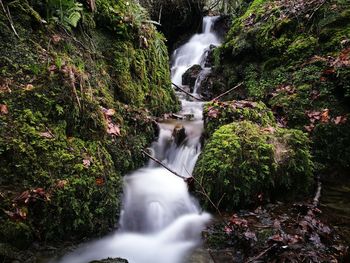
x=244, y=164
x=190, y=76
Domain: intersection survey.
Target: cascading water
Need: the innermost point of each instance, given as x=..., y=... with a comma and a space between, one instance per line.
x=160, y=221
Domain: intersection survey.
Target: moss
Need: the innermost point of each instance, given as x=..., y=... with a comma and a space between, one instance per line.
x=286, y=60
x=217, y=114
x=17, y=234
x=79, y=110
x=243, y=162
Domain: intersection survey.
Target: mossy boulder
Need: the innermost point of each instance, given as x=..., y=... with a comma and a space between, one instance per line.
x=76, y=107
x=217, y=114
x=243, y=163
x=294, y=58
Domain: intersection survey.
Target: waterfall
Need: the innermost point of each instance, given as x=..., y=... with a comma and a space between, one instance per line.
x=160, y=221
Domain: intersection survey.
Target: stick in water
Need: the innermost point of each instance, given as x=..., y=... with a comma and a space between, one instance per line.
x=162, y=164
x=184, y=91
x=223, y=94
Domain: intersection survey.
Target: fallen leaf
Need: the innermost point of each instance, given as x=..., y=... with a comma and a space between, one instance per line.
x=3, y=109
x=276, y=238
x=86, y=163
x=113, y=129
x=250, y=235
x=110, y=112
x=100, y=181
x=47, y=135
x=340, y=120
x=56, y=38
x=61, y=183
x=29, y=87
x=325, y=116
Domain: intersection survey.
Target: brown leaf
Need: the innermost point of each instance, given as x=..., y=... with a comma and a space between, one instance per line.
x=100, y=181
x=29, y=87
x=276, y=238
x=325, y=116
x=109, y=112
x=213, y=113
x=52, y=68
x=61, y=183
x=47, y=135
x=56, y=38
x=3, y=109
x=269, y=129
x=250, y=235
x=86, y=163
x=340, y=120
x=113, y=129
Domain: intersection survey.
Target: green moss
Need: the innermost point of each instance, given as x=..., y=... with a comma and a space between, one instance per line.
x=217, y=114
x=242, y=161
x=303, y=46
x=17, y=234
x=58, y=88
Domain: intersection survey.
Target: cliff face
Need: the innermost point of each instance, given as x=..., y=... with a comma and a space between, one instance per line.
x=78, y=86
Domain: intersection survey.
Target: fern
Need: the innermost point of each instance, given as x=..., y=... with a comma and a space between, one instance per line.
x=65, y=12
x=73, y=14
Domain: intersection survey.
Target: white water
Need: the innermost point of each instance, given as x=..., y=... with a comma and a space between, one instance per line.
x=160, y=222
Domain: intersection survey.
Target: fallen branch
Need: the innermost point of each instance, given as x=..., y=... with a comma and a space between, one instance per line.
x=184, y=91
x=162, y=164
x=261, y=254
x=225, y=93
x=9, y=18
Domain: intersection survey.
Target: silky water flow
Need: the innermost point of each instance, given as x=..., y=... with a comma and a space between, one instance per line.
x=160, y=222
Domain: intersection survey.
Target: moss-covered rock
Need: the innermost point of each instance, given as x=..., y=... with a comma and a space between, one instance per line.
x=243, y=163
x=217, y=114
x=76, y=105
x=295, y=58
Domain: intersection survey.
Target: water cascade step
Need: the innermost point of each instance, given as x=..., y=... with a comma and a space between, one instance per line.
x=160, y=221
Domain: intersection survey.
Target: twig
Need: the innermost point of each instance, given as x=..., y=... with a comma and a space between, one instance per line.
x=184, y=91
x=162, y=164
x=261, y=254
x=9, y=18
x=223, y=94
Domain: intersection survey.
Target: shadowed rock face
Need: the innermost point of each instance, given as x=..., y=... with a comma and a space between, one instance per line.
x=177, y=18
x=190, y=76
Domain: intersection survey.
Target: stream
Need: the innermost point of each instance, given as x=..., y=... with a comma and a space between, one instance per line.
x=160, y=221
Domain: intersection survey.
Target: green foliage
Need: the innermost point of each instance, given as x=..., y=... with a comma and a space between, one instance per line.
x=243, y=162
x=66, y=12
x=58, y=88
x=217, y=114
x=287, y=60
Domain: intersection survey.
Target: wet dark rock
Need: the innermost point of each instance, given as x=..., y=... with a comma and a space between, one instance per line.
x=211, y=85
x=190, y=76
x=209, y=60
x=110, y=260
x=222, y=25
x=179, y=134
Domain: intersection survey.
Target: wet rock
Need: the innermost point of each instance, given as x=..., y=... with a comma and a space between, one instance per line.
x=209, y=60
x=190, y=76
x=211, y=86
x=179, y=134
x=111, y=260
x=222, y=25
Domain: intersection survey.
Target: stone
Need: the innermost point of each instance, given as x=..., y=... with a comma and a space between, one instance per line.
x=190, y=76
